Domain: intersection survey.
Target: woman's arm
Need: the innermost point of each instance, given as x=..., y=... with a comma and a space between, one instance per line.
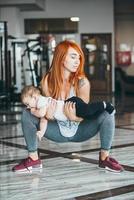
x=84, y=90
x=51, y=109
x=84, y=94
x=70, y=111
x=51, y=103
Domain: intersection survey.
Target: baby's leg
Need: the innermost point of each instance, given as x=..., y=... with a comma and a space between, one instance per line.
x=43, y=127
x=91, y=110
x=87, y=111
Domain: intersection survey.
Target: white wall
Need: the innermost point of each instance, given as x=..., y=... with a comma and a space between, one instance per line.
x=13, y=16
x=95, y=15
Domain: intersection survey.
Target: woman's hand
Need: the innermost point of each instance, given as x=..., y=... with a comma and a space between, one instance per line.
x=51, y=109
x=70, y=111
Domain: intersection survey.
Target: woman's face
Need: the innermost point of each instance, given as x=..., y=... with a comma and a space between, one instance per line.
x=72, y=60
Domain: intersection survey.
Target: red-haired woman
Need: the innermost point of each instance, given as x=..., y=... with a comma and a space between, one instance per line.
x=65, y=79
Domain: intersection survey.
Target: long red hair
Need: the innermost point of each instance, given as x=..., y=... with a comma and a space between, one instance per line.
x=55, y=74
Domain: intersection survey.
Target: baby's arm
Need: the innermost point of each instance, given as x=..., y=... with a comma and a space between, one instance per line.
x=43, y=127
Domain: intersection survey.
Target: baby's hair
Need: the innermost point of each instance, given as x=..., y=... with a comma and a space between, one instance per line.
x=29, y=91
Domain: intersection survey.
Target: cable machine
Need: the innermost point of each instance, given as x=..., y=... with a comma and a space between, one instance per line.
x=5, y=77
x=35, y=60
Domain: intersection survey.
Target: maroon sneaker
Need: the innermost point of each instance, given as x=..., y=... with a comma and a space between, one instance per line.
x=27, y=165
x=110, y=164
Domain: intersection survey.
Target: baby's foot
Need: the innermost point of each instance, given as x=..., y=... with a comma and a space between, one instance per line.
x=39, y=135
x=110, y=108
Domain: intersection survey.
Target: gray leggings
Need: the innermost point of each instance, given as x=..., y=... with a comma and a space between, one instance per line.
x=104, y=124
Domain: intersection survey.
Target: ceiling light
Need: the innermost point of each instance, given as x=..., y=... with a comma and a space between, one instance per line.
x=75, y=19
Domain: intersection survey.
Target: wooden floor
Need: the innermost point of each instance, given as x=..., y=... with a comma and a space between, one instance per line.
x=70, y=170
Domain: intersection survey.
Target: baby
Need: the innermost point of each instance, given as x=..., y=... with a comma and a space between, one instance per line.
x=32, y=98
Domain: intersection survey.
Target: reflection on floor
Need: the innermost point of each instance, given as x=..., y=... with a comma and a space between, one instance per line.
x=70, y=171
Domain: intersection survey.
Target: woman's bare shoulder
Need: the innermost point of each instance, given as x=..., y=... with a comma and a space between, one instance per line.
x=84, y=89
x=84, y=82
